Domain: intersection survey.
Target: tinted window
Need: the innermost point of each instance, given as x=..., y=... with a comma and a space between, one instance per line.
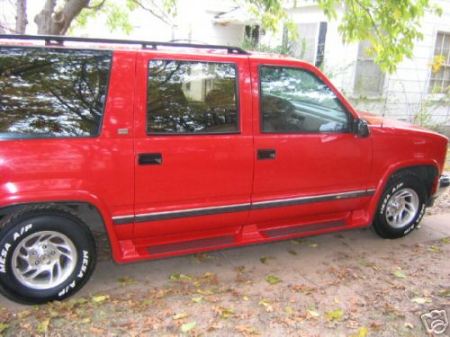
x=52, y=93
x=191, y=97
x=295, y=100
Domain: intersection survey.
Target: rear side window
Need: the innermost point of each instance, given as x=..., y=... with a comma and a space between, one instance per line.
x=190, y=97
x=52, y=93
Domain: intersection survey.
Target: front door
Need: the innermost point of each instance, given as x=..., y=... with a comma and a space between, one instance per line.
x=193, y=145
x=309, y=166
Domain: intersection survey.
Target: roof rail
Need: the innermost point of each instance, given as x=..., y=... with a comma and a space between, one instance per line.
x=59, y=40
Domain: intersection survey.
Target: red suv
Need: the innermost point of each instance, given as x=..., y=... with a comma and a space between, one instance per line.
x=186, y=148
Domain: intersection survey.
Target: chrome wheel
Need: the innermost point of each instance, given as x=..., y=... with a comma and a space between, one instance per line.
x=44, y=260
x=402, y=207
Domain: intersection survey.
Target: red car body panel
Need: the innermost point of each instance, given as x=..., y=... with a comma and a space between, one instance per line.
x=201, y=172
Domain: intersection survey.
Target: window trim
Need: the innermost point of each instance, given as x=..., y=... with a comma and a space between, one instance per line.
x=26, y=137
x=445, y=33
x=238, y=102
x=349, y=115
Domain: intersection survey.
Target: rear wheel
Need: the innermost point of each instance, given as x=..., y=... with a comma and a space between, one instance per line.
x=402, y=206
x=45, y=254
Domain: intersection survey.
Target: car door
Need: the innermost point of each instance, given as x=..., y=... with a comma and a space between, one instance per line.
x=310, y=168
x=193, y=145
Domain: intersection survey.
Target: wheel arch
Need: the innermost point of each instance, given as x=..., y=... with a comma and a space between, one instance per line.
x=86, y=209
x=426, y=171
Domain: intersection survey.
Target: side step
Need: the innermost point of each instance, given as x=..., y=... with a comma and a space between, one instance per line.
x=287, y=231
x=193, y=244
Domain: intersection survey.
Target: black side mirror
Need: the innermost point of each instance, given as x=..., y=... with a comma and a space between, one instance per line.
x=361, y=128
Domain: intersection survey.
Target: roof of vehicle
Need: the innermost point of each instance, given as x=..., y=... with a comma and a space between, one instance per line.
x=132, y=45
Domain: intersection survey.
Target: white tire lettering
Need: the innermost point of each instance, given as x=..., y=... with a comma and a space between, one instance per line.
x=3, y=254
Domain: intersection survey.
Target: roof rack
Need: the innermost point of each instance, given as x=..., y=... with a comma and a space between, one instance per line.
x=59, y=40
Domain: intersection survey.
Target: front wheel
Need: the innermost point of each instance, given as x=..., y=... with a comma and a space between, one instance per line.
x=402, y=206
x=45, y=254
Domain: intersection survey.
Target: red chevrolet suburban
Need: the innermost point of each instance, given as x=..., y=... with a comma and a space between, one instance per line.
x=183, y=148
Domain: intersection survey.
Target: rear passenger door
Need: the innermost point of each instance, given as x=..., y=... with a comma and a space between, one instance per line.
x=193, y=145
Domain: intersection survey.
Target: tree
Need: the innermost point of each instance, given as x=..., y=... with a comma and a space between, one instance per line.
x=56, y=20
x=21, y=16
x=391, y=26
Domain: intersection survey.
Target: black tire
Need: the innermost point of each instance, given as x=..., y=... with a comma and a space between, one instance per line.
x=397, y=183
x=30, y=223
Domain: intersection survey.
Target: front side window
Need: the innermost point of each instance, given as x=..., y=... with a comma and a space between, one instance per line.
x=52, y=93
x=191, y=97
x=295, y=101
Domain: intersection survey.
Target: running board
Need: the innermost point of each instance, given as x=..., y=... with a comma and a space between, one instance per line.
x=286, y=231
x=193, y=244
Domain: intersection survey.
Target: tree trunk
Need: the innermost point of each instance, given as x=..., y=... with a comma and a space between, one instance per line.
x=56, y=22
x=21, y=16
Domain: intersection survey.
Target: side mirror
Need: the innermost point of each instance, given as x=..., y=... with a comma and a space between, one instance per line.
x=361, y=128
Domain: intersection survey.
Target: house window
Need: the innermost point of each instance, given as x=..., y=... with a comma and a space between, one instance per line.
x=306, y=46
x=440, y=74
x=310, y=45
x=252, y=34
x=369, y=79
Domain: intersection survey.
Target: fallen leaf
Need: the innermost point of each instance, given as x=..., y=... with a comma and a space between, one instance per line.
x=179, y=277
x=445, y=240
x=399, y=274
x=247, y=330
x=266, y=304
x=272, y=279
x=434, y=249
x=86, y=320
x=179, y=316
x=445, y=293
x=312, y=313
x=3, y=327
x=188, y=327
x=292, y=252
x=126, y=280
x=313, y=245
x=421, y=300
x=225, y=313
x=409, y=325
x=197, y=299
x=334, y=315
x=42, y=327
x=362, y=332
x=265, y=259
x=100, y=298
x=289, y=310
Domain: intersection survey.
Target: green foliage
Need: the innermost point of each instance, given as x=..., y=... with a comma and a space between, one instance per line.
x=248, y=44
x=391, y=26
x=118, y=16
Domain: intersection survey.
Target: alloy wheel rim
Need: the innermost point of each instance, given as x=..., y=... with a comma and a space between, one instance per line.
x=44, y=260
x=402, y=207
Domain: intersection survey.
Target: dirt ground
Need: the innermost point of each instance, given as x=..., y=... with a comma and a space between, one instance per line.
x=350, y=284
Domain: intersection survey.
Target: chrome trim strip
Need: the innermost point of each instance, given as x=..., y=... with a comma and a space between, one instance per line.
x=126, y=219
x=123, y=219
x=191, y=212
x=307, y=200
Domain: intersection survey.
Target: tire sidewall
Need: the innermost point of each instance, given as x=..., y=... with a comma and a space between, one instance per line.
x=23, y=227
x=394, y=186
